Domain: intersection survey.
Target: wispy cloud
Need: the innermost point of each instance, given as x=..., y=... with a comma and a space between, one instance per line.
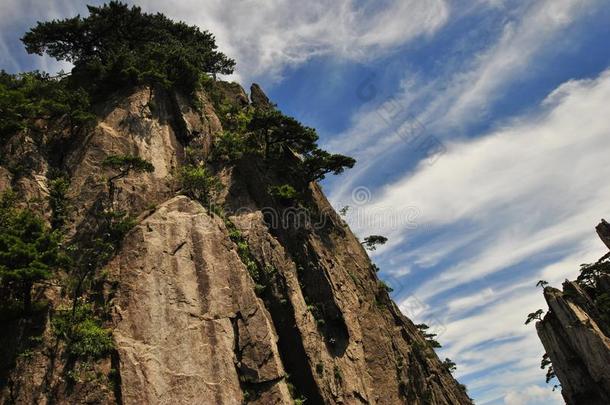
x=529, y=187
x=446, y=104
x=532, y=395
x=267, y=36
x=532, y=188
x=498, y=356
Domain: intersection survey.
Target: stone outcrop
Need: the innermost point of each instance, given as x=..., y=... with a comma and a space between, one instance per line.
x=576, y=345
x=603, y=230
x=189, y=325
x=576, y=336
x=190, y=322
x=258, y=97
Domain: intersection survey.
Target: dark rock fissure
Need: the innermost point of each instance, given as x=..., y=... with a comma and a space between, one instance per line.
x=292, y=234
x=292, y=352
x=116, y=377
x=290, y=346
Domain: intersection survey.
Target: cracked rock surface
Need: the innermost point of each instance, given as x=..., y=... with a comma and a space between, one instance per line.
x=188, y=321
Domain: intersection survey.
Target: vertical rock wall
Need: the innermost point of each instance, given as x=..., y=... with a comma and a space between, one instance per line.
x=577, y=344
x=190, y=323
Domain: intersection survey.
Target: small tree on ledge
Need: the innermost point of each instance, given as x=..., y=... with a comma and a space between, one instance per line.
x=124, y=164
x=449, y=365
x=371, y=242
x=29, y=251
x=319, y=163
x=534, y=316
x=430, y=337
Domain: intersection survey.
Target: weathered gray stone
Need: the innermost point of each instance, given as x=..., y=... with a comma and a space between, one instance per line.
x=188, y=322
x=576, y=345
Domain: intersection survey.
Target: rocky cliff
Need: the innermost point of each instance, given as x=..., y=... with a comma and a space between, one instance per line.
x=249, y=298
x=576, y=334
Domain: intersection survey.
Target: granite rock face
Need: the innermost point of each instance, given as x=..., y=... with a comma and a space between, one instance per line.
x=190, y=322
x=577, y=346
x=576, y=333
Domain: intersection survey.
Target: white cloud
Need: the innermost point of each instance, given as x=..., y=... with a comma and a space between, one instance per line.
x=532, y=395
x=447, y=103
x=534, y=187
x=510, y=57
x=479, y=298
x=266, y=36
x=17, y=16
x=484, y=331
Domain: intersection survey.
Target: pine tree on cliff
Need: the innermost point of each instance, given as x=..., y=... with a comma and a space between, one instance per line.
x=29, y=251
x=117, y=45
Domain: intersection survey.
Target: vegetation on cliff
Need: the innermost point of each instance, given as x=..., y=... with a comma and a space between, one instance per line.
x=29, y=99
x=29, y=252
x=151, y=83
x=575, y=331
x=117, y=46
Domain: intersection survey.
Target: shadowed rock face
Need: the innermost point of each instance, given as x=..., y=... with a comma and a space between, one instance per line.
x=258, y=97
x=574, y=338
x=603, y=231
x=189, y=323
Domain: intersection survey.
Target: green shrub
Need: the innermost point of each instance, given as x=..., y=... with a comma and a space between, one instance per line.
x=195, y=154
x=123, y=165
x=384, y=287
x=198, y=183
x=90, y=340
x=285, y=192
x=449, y=365
x=235, y=119
x=26, y=98
x=58, y=188
x=274, y=132
x=371, y=242
x=430, y=337
x=229, y=146
x=318, y=163
x=260, y=276
x=82, y=330
x=119, y=223
x=337, y=373
x=602, y=302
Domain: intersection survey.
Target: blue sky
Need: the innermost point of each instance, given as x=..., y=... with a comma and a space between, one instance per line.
x=481, y=132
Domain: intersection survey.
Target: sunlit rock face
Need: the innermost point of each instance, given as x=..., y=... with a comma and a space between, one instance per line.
x=189, y=321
